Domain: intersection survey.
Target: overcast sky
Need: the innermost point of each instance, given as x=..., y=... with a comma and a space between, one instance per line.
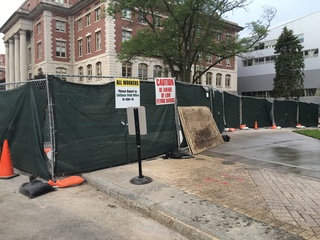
x=286, y=10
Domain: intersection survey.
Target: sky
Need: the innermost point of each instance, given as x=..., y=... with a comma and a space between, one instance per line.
x=287, y=10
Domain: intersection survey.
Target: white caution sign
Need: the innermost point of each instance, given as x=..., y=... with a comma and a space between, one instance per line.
x=165, y=91
x=127, y=92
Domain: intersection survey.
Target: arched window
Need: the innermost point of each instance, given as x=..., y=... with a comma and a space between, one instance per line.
x=157, y=71
x=126, y=69
x=80, y=72
x=218, y=79
x=198, y=78
x=89, y=70
x=98, y=69
x=208, y=78
x=143, y=71
x=228, y=80
x=61, y=70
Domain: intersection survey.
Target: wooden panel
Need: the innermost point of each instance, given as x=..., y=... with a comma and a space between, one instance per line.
x=200, y=129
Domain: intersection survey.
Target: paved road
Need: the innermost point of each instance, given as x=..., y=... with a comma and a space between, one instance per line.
x=293, y=152
x=80, y=212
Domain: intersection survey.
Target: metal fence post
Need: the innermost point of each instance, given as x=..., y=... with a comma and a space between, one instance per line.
x=51, y=128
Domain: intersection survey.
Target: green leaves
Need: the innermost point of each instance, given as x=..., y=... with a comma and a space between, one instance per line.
x=289, y=66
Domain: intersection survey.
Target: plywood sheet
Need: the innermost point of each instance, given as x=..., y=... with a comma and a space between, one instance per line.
x=200, y=129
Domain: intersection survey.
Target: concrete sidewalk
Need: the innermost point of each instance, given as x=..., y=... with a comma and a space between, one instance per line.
x=209, y=197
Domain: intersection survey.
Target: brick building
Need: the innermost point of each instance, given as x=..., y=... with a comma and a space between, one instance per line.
x=76, y=37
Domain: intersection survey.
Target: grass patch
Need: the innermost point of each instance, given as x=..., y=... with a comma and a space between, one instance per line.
x=314, y=133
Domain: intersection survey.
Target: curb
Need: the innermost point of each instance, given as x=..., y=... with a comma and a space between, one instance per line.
x=147, y=208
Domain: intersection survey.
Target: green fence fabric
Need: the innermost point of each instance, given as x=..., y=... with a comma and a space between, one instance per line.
x=285, y=113
x=192, y=95
x=218, y=110
x=254, y=109
x=92, y=134
x=232, y=110
x=22, y=119
x=308, y=114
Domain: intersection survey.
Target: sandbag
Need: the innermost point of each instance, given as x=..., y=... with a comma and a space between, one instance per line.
x=35, y=188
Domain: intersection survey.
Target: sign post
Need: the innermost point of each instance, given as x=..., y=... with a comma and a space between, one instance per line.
x=137, y=122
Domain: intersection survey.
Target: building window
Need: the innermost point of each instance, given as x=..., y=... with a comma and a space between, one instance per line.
x=98, y=41
x=79, y=24
x=142, y=19
x=143, y=71
x=39, y=50
x=126, y=35
x=126, y=69
x=219, y=37
x=218, y=79
x=209, y=58
x=208, y=78
x=60, y=26
x=29, y=55
x=126, y=14
x=97, y=14
x=98, y=69
x=59, y=1
x=157, y=71
x=39, y=28
x=80, y=72
x=61, y=49
x=228, y=61
x=219, y=60
x=89, y=70
x=228, y=80
x=80, y=47
x=61, y=70
x=198, y=76
x=88, y=19
x=157, y=21
x=88, y=40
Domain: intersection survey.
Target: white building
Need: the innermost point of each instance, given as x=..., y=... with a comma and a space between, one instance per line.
x=256, y=69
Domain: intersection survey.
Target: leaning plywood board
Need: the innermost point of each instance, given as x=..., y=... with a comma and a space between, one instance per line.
x=200, y=129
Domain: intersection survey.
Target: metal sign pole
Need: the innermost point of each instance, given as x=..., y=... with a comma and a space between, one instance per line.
x=140, y=179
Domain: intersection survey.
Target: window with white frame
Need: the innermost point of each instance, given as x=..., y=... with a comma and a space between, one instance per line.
x=157, y=71
x=61, y=49
x=88, y=44
x=38, y=27
x=126, y=69
x=126, y=14
x=39, y=50
x=80, y=48
x=61, y=70
x=208, y=58
x=228, y=80
x=198, y=75
x=208, y=78
x=98, y=40
x=157, y=21
x=98, y=69
x=228, y=61
x=218, y=79
x=79, y=24
x=88, y=19
x=89, y=70
x=97, y=13
x=60, y=26
x=126, y=35
x=80, y=72
x=143, y=71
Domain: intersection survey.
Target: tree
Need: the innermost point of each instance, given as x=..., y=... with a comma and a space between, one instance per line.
x=289, y=66
x=188, y=32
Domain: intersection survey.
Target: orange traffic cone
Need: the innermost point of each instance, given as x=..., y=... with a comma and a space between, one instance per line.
x=256, y=125
x=6, y=168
